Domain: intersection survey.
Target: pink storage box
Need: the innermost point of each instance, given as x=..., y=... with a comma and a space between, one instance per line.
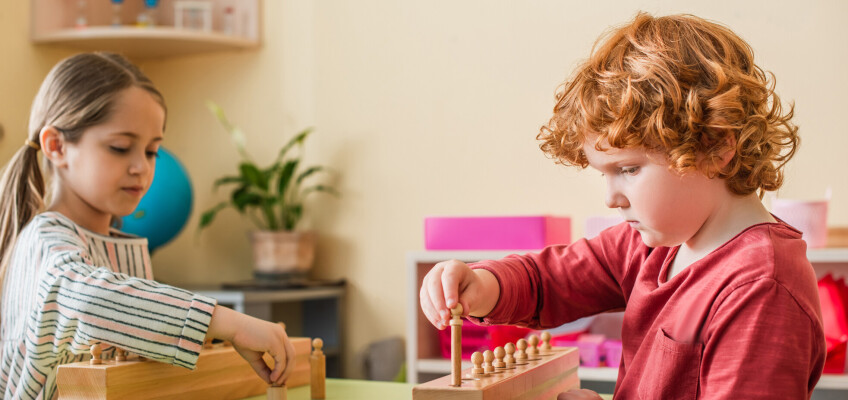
x=612, y=353
x=495, y=233
x=589, y=346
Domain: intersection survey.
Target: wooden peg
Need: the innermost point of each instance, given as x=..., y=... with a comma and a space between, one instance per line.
x=277, y=393
x=120, y=354
x=488, y=363
x=477, y=360
x=546, y=342
x=95, y=351
x=533, y=348
x=499, y=356
x=509, y=348
x=520, y=354
x=317, y=363
x=456, y=345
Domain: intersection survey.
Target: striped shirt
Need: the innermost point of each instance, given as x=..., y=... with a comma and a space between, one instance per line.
x=67, y=287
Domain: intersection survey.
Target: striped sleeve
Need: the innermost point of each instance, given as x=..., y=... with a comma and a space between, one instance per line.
x=80, y=303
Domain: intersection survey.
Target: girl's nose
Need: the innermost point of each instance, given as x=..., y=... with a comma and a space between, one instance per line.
x=140, y=165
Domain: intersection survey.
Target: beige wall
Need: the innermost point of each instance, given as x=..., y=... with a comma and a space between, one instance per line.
x=426, y=108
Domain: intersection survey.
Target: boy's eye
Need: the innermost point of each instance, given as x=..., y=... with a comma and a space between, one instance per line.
x=630, y=170
x=153, y=154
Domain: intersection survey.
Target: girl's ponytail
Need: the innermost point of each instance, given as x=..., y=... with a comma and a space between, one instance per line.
x=22, y=185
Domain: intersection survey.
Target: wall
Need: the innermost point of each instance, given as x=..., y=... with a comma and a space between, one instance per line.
x=428, y=108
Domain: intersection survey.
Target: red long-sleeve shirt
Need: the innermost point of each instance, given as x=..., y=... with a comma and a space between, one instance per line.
x=744, y=322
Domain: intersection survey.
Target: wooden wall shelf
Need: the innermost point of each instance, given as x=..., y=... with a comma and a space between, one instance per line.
x=53, y=23
x=154, y=42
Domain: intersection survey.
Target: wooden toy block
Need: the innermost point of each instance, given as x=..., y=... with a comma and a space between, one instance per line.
x=541, y=379
x=220, y=373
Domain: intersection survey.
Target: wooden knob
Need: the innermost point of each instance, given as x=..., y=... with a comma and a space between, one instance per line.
x=488, y=357
x=520, y=346
x=534, y=343
x=509, y=348
x=95, y=351
x=456, y=311
x=477, y=361
x=546, y=341
x=499, y=356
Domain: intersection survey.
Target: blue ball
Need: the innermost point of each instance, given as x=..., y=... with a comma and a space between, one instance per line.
x=165, y=208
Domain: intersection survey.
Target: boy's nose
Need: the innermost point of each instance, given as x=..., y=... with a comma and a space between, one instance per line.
x=615, y=199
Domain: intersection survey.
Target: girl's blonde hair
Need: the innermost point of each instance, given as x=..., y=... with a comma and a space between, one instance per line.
x=79, y=92
x=682, y=86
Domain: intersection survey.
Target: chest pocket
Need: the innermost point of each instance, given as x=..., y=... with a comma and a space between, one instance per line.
x=672, y=370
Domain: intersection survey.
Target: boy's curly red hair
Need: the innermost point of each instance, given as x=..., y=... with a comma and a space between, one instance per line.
x=682, y=86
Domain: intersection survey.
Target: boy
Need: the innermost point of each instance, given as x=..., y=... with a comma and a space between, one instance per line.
x=719, y=298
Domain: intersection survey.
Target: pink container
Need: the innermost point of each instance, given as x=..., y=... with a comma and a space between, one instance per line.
x=495, y=233
x=809, y=217
x=612, y=353
x=589, y=346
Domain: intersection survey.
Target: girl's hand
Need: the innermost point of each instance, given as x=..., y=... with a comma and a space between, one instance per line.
x=253, y=337
x=579, y=394
x=452, y=282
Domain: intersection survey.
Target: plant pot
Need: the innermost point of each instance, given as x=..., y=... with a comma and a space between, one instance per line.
x=282, y=254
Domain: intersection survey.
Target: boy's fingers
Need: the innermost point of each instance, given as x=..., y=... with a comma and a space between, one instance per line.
x=427, y=307
x=437, y=296
x=451, y=278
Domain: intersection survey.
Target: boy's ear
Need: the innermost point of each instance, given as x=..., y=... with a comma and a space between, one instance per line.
x=729, y=151
x=53, y=145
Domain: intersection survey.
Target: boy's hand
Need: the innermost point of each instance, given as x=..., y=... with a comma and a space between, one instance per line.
x=452, y=282
x=579, y=394
x=252, y=338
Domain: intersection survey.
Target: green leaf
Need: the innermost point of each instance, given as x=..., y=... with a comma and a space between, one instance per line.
x=319, y=188
x=309, y=171
x=285, y=177
x=253, y=175
x=227, y=179
x=209, y=215
x=297, y=140
x=236, y=135
x=291, y=216
x=243, y=197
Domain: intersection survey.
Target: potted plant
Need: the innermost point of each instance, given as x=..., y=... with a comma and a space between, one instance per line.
x=272, y=197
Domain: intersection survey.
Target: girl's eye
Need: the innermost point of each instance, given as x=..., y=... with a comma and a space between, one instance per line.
x=154, y=154
x=119, y=150
x=630, y=170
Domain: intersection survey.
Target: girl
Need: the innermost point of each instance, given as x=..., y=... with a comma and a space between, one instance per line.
x=68, y=279
x=720, y=300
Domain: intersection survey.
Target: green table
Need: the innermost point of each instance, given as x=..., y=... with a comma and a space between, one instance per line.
x=350, y=389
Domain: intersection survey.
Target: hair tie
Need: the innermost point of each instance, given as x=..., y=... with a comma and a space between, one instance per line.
x=32, y=144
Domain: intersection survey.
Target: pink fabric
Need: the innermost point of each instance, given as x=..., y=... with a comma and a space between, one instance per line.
x=742, y=323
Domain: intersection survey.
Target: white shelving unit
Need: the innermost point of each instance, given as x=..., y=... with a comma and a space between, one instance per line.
x=423, y=355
